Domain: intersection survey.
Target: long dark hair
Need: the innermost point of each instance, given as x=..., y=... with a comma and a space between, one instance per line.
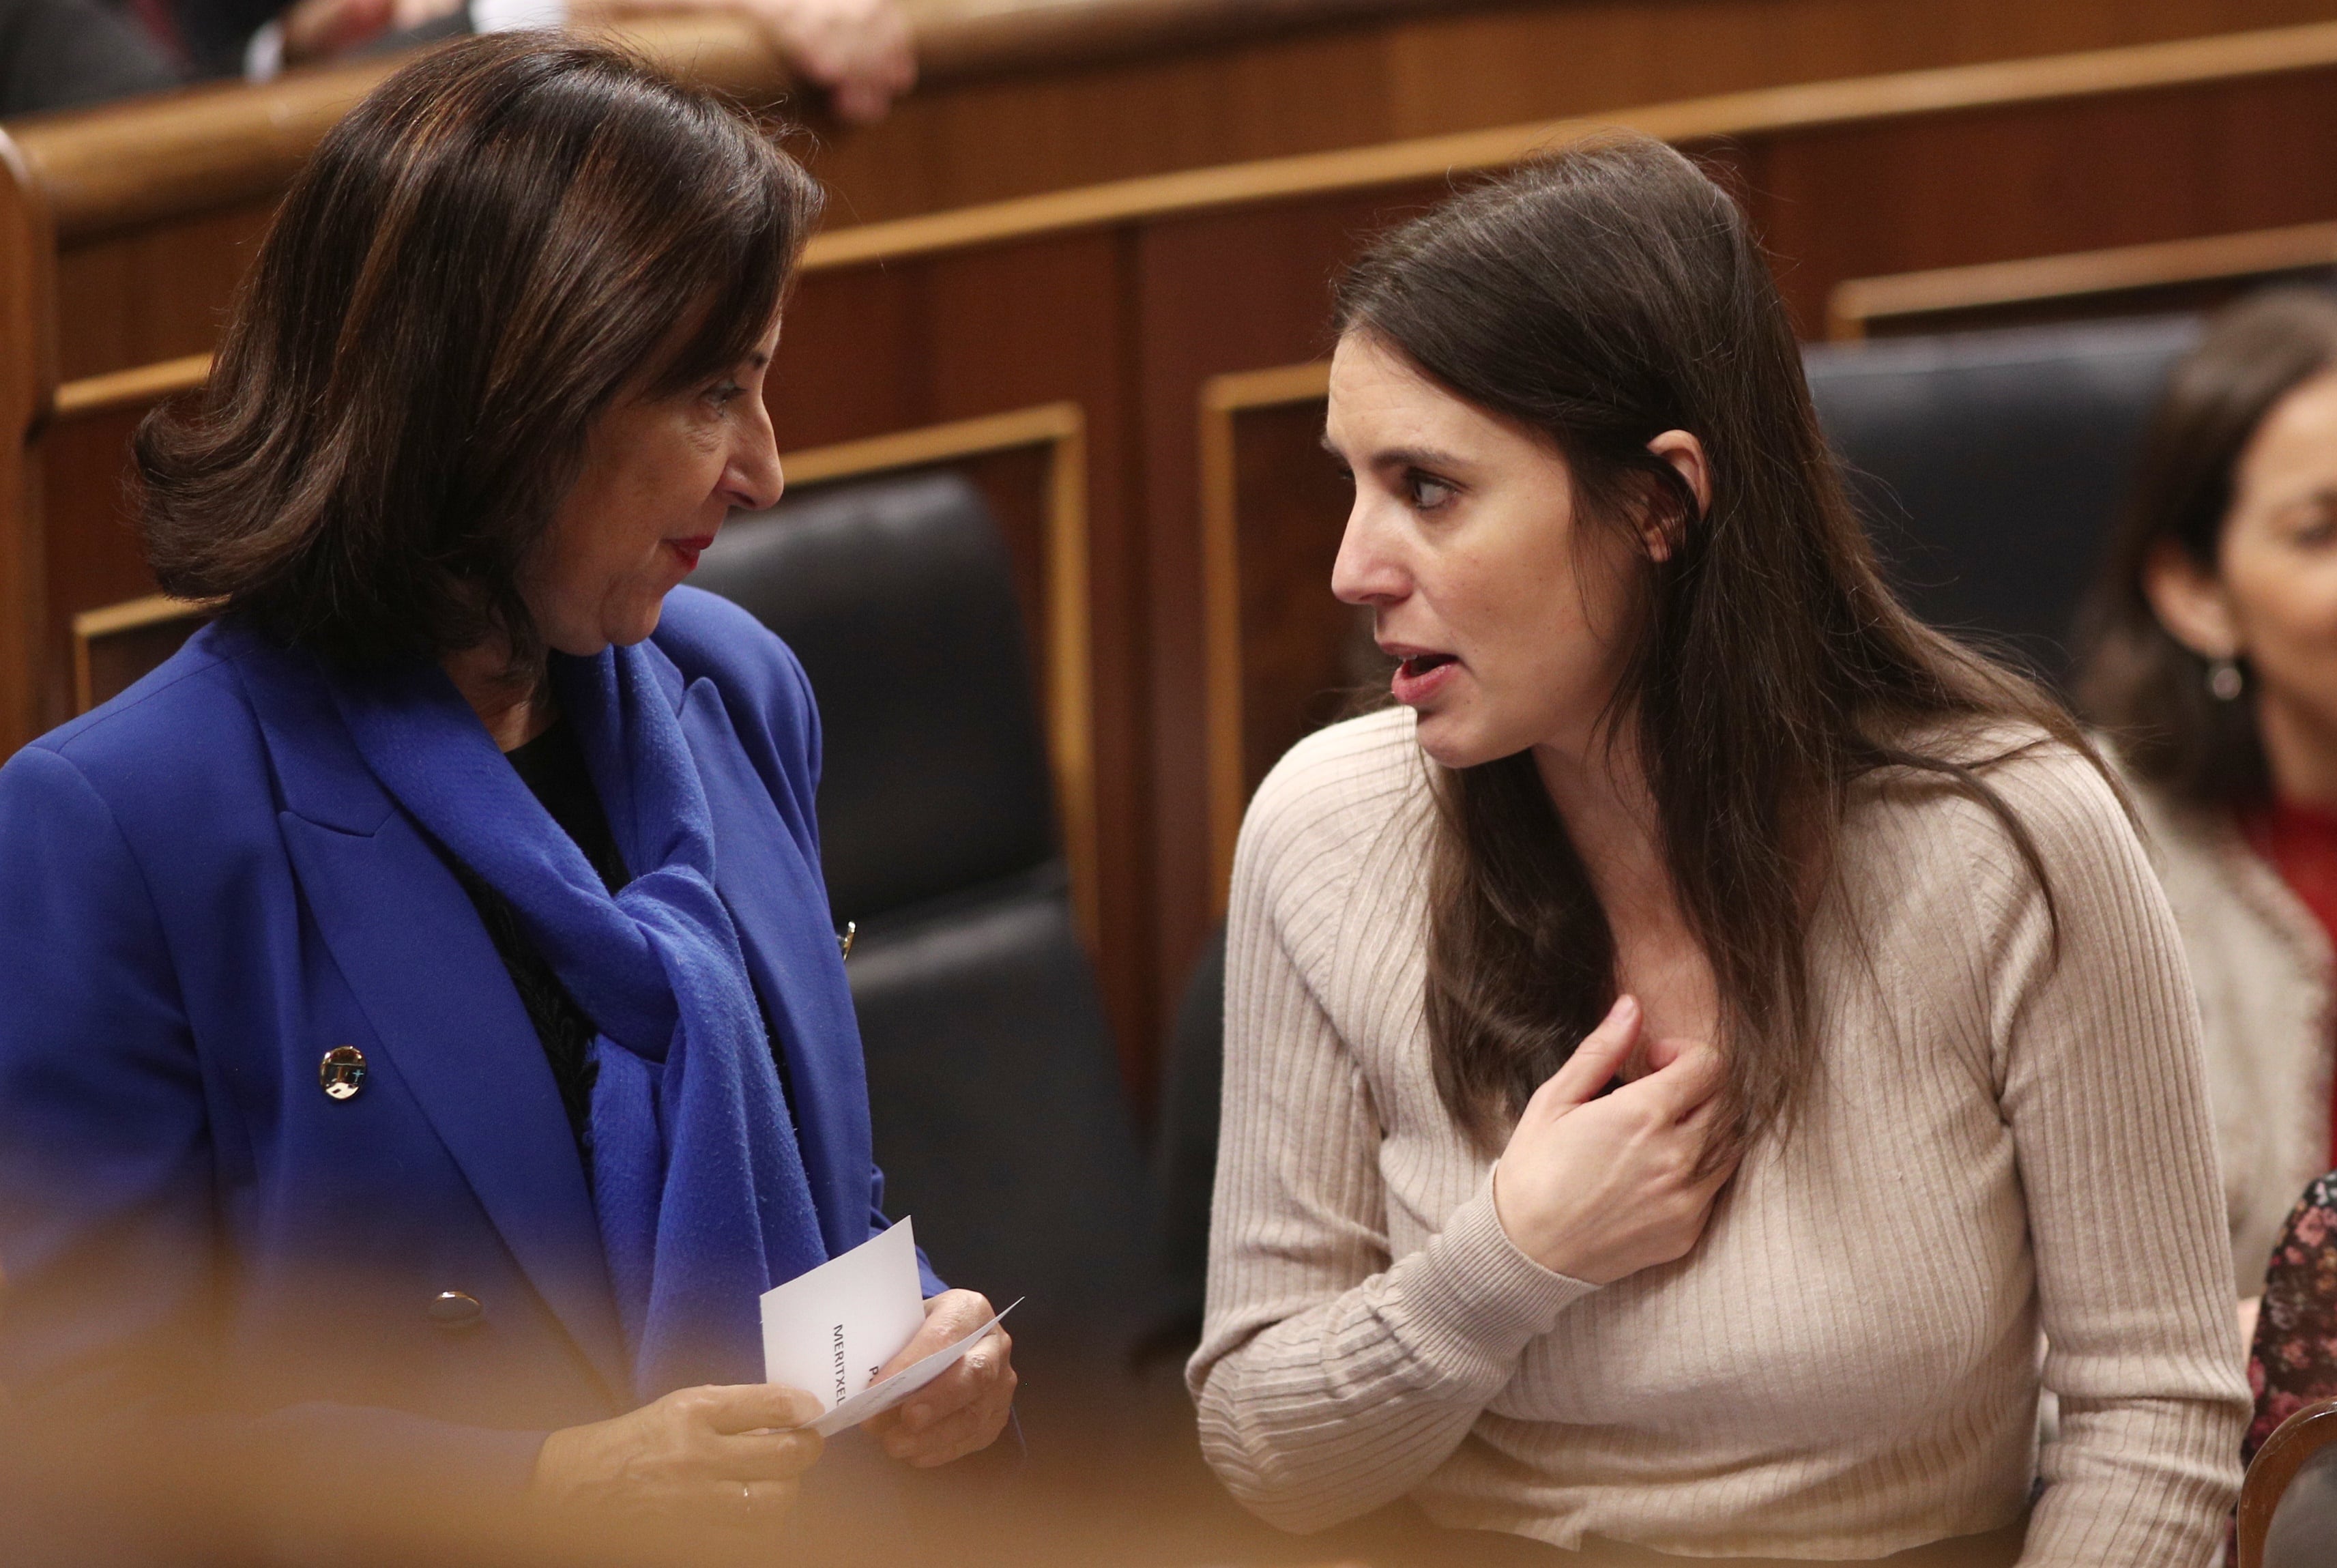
x=485, y=254
x=2134, y=680
x=1602, y=296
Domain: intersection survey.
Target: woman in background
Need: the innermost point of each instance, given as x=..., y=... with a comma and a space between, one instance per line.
x=2211, y=662
x=1677, y=792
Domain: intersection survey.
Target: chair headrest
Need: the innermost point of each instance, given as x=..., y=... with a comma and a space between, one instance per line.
x=1989, y=465
x=898, y=596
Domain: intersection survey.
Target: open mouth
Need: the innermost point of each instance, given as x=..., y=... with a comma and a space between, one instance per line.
x=1420, y=664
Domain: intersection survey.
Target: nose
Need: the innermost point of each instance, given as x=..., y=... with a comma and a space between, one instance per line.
x=752, y=480
x=1367, y=571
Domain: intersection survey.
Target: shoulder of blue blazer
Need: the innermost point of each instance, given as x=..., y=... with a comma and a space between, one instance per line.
x=186, y=751
x=181, y=758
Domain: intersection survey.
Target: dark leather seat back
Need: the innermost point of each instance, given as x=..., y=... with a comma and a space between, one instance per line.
x=898, y=597
x=1185, y=1150
x=2304, y=1531
x=992, y=1077
x=1988, y=465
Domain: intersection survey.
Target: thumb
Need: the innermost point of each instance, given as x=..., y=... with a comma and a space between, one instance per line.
x=1597, y=1060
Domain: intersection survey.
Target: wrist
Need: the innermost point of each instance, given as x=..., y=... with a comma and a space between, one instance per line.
x=558, y=1465
x=1477, y=1294
x=1542, y=1244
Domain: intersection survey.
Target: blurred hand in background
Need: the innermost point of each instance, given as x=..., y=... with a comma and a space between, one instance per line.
x=860, y=53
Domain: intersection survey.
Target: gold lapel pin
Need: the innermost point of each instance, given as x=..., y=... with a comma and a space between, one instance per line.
x=844, y=938
x=342, y=1073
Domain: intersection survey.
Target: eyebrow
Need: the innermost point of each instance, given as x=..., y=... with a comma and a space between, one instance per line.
x=1405, y=457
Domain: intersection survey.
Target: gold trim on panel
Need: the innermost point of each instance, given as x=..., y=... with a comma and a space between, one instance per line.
x=1761, y=111
x=934, y=444
x=1858, y=302
x=127, y=388
x=88, y=625
x=1069, y=638
x=1223, y=398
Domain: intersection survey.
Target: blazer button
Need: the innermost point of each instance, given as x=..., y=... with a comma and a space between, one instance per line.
x=455, y=1309
x=342, y=1073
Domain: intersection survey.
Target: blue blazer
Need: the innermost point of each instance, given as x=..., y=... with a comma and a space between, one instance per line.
x=203, y=890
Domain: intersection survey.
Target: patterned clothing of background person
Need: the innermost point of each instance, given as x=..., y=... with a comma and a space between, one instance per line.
x=2294, y=1362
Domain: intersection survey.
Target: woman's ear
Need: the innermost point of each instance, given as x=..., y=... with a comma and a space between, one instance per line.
x=1685, y=453
x=2190, y=602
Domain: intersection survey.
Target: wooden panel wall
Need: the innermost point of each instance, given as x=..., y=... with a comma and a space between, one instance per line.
x=155, y=289
x=1948, y=189
x=988, y=134
x=1130, y=301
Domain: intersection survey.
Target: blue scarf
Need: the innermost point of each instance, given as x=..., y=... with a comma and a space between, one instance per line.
x=697, y=1177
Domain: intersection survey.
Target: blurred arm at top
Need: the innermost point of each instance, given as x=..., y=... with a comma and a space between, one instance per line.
x=859, y=51
x=61, y=53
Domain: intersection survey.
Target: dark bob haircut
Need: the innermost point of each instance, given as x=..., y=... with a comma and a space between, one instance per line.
x=2134, y=680
x=503, y=240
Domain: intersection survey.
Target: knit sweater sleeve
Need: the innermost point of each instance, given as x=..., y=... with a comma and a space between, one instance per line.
x=2095, y=1038
x=1331, y=1378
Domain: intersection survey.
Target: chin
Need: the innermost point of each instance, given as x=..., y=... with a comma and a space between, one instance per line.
x=1450, y=744
x=638, y=626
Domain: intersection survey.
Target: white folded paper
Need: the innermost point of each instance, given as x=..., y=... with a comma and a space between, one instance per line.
x=829, y=1331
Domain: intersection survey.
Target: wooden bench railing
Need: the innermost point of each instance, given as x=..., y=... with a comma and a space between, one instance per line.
x=2299, y=1440
x=2164, y=273
x=1142, y=305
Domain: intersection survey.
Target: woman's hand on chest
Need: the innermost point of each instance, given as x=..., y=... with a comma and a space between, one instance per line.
x=1598, y=1187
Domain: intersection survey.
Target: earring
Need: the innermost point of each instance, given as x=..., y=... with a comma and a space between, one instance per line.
x=2224, y=681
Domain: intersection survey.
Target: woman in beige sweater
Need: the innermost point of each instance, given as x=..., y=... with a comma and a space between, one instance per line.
x=1677, y=795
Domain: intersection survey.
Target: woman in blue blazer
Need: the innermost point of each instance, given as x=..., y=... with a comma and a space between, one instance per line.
x=422, y=1032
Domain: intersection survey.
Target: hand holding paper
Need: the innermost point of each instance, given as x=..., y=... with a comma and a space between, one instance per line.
x=966, y=1403
x=855, y=1333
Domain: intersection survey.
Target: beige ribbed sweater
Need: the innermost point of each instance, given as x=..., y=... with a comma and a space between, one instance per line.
x=1847, y=1363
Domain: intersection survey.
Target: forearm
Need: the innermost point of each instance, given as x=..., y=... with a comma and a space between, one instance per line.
x=2103, y=1088
x=2145, y=1482
x=1351, y=1402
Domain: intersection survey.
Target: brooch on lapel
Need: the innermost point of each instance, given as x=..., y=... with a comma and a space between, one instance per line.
x=342, y=1073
